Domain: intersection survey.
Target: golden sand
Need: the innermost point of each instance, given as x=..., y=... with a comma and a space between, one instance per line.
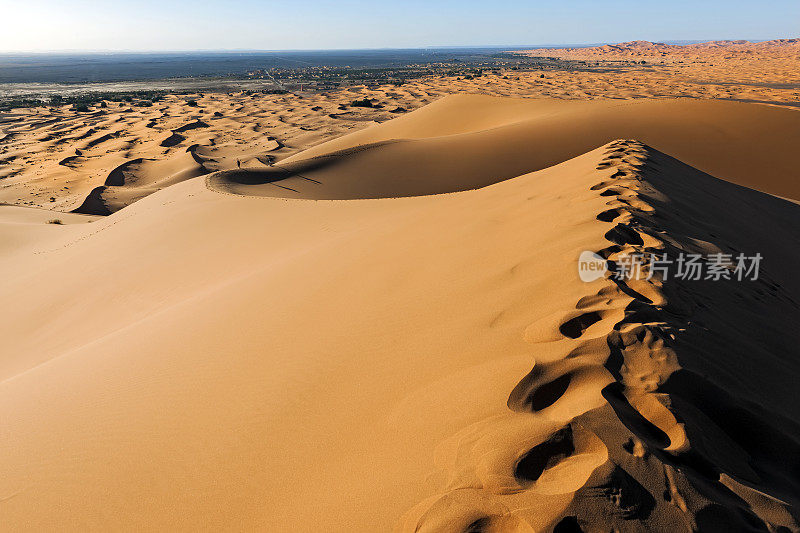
x=298, y=320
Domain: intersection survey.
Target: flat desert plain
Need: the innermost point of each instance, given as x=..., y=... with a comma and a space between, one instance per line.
x=285, y=313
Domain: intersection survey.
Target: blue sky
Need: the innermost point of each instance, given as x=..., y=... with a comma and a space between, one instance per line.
x=319, y=24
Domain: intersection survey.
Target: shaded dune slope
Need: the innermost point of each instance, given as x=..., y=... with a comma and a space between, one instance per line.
x=428, y=363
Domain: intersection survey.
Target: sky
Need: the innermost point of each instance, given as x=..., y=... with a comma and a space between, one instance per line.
x=51, y=25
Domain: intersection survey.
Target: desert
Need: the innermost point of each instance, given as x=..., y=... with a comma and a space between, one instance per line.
x=297, y=311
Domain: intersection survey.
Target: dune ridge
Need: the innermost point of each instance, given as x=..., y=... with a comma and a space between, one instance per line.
x=628, y=424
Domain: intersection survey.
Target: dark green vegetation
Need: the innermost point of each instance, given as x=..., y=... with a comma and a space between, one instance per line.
x=366, y=102
x=83, y=102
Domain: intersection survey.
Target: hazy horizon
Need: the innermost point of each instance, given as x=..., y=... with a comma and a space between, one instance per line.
x=47, y=26
x=510, y=46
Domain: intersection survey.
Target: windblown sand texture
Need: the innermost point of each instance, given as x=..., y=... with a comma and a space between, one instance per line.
x=385, y=330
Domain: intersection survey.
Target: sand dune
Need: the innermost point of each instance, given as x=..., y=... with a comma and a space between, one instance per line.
x=234, y=356
x=494, y=139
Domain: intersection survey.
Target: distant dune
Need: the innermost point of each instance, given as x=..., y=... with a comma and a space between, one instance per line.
x=414, y=351
x=789, y=48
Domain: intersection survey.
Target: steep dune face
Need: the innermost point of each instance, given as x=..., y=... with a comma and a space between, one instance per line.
x=427, y=363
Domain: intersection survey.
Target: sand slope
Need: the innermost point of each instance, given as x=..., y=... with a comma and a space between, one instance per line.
x=226, y=359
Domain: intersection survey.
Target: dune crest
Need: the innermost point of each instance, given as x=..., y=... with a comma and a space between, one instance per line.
x=618, y=431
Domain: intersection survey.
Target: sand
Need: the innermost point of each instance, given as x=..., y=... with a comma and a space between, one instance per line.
x=386, y=330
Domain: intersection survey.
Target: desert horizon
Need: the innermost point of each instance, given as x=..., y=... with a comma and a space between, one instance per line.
x=459, y=289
